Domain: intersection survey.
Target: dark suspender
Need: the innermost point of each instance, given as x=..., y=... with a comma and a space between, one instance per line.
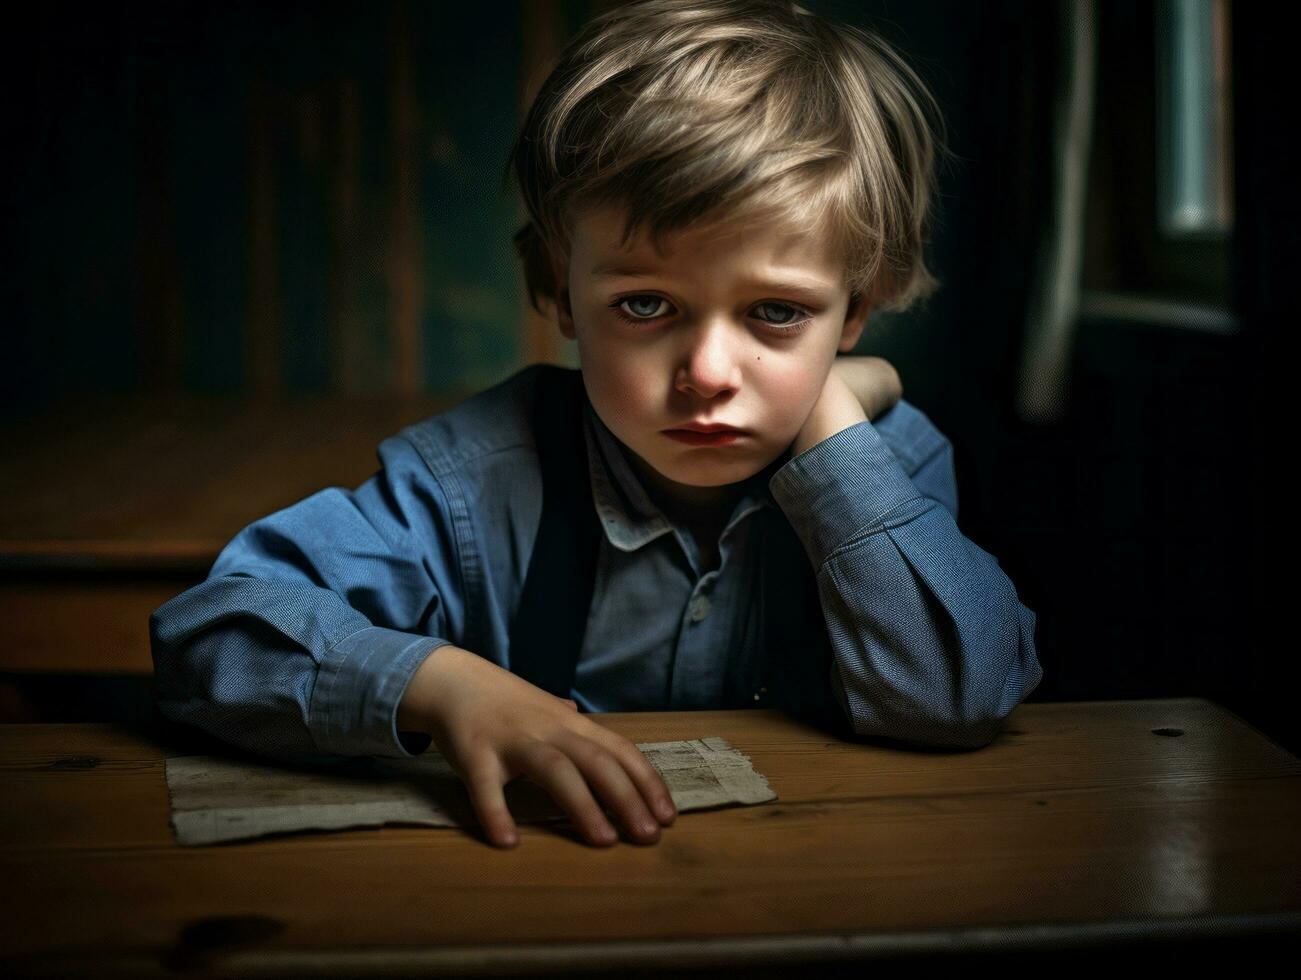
x=797, y=650
x=547, y=633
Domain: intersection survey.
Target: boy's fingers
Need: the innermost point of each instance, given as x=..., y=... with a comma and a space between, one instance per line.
x=606, y=773
x=484, y=782
x=647, y=778
x=555, y=772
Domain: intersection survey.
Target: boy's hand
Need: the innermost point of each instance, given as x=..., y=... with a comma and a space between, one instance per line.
x=873, y=380
x=493, y=726
x=840, y=405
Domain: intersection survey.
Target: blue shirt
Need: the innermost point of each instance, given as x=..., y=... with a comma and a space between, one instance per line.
x=301, y=641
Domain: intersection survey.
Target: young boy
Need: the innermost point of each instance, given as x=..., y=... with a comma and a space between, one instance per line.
x=720, y=193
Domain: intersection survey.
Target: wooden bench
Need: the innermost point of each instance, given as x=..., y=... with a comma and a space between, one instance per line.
x=111, y=506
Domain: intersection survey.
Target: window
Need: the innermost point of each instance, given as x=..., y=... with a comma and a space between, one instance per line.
x=1194, y=162
x=1160, y=203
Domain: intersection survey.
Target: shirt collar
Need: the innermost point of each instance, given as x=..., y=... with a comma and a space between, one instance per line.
x=630, y=518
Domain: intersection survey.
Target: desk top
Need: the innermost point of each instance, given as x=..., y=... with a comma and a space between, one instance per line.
x=1081, y=824
x=158, y=482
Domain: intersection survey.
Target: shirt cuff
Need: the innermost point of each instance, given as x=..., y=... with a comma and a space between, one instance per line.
x=839, y=488
x=358, y=689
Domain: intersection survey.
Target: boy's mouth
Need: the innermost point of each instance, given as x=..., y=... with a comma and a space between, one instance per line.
x=715, y=436
x=703, y=427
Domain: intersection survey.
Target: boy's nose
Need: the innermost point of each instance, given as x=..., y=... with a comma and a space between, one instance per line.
x=710, y=364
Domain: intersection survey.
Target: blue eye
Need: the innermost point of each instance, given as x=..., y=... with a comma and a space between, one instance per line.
x=789, y=327
x=783, y=306
x=647, y=314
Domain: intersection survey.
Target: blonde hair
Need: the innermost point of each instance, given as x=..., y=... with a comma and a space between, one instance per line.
x=695, y=112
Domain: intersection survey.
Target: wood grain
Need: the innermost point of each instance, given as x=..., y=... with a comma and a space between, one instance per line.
x=81, y=624
x=164, y=482
x=1080, y=821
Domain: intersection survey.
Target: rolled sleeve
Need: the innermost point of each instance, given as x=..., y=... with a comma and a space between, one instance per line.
x=360, y=685
x=840, y=488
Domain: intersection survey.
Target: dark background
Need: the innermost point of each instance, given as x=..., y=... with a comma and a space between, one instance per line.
x=209, y=197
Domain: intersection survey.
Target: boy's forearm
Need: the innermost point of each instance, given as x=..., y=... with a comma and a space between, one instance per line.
x=418, y=709
x=892, y=599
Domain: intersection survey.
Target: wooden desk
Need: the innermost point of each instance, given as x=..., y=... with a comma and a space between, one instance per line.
x=1082, y=826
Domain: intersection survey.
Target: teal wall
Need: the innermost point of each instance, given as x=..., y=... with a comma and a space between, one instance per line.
x=135, y=195
x=132, y=195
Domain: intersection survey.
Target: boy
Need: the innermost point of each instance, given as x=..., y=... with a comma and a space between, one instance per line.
x=720, y=193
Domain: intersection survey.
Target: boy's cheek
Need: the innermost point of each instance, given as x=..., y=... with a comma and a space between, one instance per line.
x=620, y=394
x=797, y=393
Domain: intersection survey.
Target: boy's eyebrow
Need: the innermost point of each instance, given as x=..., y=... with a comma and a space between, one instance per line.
x=812, y=288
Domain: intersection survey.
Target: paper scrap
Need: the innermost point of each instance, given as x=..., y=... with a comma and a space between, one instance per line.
x=216, y=799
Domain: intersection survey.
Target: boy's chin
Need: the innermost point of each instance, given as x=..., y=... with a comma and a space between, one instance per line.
x=702, y=475
x=697, y=473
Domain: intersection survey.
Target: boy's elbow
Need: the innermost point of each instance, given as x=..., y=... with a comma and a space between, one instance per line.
x=968, y=737
x=929, y=730
x=977, y=723
x=950, y=727
x=978, y=733
x=928, y=713
x=961, y=737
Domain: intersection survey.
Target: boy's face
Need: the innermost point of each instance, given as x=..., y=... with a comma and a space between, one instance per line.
x=719, y=335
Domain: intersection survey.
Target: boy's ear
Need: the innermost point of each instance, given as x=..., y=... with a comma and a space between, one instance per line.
x=564, y=311
x=855, y=320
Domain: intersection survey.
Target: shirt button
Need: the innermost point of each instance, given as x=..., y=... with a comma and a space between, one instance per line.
x=699, y=609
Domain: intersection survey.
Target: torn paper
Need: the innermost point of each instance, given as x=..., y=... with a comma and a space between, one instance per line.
x=216, y=799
